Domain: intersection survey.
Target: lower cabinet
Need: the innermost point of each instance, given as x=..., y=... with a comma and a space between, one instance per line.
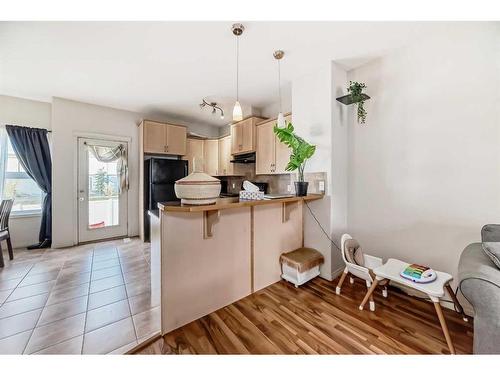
x=226, y=168
x=194, y=154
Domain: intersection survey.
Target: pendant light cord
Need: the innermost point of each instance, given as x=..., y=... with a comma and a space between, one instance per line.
x=237, y=67
x=279, y=84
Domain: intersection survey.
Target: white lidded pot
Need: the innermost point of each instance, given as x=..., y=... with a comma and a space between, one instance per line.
x=198, y=188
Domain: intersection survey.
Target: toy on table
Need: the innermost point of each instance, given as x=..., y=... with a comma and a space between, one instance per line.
x=418, y=273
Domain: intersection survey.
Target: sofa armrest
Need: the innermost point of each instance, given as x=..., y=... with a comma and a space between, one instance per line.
x=479, y=282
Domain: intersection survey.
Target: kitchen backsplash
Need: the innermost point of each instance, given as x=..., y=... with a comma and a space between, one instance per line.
x=278, y=184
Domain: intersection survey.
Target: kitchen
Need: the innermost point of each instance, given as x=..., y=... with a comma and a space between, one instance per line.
x=219, y=252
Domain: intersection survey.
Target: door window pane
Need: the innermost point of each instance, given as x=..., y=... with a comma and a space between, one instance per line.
x=103, y=197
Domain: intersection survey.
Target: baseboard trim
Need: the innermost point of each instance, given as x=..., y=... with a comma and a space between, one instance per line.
x=145, y=343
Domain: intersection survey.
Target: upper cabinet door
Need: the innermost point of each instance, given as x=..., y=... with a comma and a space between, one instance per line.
x=282, y=152
x=176, y=140
x=243, y=136
x=194, y=155
x=211, y=155
x=236, y=138
x=248, y=131
x=155, y=135
x=264, y=156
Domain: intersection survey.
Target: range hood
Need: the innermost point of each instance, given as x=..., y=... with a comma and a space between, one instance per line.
x=244, y=158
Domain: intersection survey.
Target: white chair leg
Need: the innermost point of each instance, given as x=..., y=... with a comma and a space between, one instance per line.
x=372, y=302
x=384, y=292
x=341, y=281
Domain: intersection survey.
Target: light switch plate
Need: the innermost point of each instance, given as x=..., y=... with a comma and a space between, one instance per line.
x=289, y=188
x=321, y=186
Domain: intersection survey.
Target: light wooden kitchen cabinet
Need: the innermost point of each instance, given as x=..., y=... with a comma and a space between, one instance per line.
x=161, y=138
x=176, y=139
x=243, y=136
x=282, y=153
x=226, y=168
x=194, y=154
x=271, y=156
x=155, y=137
x=211, y=156
x=264, y=156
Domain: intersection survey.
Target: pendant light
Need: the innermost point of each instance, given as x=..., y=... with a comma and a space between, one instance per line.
x=278, y=55
x=237, y=29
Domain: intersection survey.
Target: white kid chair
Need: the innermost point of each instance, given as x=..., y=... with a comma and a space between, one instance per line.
x=359, y=265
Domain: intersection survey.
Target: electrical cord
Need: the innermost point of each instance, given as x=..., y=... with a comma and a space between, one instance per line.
x=338, y=248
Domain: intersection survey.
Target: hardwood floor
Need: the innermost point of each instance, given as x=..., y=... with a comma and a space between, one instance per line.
x=281, y=319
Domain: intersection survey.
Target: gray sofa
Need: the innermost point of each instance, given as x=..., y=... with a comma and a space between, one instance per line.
x=479, y=282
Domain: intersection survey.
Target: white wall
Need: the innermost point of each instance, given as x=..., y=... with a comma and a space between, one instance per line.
x=70, y=118
x=424, y=172
x=17, y=111
x=272, y=109
x=317, y=120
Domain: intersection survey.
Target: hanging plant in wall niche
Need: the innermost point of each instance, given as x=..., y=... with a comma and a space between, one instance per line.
x=356, y=91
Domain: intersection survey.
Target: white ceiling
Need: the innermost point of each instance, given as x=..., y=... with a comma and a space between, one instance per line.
x=167, y=67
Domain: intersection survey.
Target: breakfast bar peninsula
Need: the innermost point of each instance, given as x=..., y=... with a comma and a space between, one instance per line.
x=206, y=257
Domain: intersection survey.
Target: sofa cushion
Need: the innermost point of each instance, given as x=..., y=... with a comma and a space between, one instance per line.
x=492, y=250
x=490, y=233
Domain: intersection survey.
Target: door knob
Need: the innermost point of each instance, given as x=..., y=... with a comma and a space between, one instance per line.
x=81, y=199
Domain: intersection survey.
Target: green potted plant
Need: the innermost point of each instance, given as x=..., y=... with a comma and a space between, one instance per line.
x=301, y=151
x=356, y=91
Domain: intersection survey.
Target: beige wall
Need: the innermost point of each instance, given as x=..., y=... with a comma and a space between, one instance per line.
x=17, y=111
x=424, y=172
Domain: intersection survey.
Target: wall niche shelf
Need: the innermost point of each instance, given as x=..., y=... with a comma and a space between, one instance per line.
x=347, y=99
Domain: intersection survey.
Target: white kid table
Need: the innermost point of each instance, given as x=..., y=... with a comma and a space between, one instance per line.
x=435, y=290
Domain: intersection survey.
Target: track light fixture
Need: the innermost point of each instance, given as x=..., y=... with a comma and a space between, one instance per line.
x=214, y=107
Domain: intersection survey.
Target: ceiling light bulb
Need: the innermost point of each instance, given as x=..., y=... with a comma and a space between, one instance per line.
x=281, y=120
x=237, y=112
x=222, y=117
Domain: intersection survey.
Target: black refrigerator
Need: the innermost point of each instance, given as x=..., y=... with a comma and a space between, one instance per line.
x=159, y=179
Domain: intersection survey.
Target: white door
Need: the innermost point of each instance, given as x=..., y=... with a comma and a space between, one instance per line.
x=102, y=210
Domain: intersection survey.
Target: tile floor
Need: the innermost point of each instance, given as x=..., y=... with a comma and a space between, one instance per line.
x=89, y=299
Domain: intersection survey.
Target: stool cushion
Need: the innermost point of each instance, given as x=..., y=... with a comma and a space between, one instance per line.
x=302, y=259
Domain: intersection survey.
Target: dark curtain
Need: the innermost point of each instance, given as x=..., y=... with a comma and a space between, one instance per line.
x=32, y=149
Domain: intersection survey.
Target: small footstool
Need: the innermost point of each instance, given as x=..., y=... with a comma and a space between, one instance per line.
x=300, y=265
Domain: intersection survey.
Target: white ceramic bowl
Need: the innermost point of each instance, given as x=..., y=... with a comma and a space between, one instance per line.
x=198, y=188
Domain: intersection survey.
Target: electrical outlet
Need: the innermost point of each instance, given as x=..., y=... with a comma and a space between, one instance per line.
x=321, y=186
x=289, y=188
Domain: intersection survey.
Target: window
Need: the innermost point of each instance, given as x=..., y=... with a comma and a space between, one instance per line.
x=15, y=183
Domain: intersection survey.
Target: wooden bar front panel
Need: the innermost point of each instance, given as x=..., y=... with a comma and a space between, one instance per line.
x=200, y=275
x=272, y=237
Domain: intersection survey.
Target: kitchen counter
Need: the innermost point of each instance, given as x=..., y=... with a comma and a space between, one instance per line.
x=228, y=203
x=210, y=256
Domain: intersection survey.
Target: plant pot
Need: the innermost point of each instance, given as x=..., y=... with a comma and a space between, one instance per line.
x=301, y=188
